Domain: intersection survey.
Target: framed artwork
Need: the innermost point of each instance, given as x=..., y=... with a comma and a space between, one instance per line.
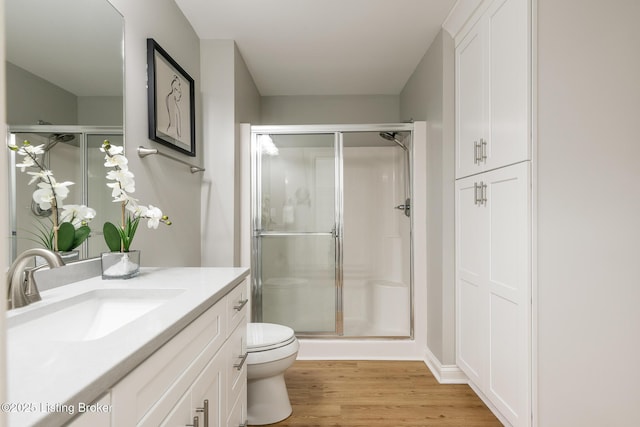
x=171, y=99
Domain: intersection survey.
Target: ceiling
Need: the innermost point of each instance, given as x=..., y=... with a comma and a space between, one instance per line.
x=323, y=47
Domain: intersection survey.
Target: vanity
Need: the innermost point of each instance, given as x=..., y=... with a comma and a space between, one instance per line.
x=165, y=348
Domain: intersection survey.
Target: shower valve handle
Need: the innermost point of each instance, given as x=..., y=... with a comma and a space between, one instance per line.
x=406, y=207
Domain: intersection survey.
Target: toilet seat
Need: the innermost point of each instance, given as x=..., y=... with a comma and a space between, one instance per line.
x=268, y=336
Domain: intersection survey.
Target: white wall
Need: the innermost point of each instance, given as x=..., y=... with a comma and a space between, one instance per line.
x=428, y=95
x=160, y=181
x=588, y=275
x=338, y=109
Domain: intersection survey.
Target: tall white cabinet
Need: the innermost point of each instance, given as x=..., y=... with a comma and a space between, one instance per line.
x=493, y=206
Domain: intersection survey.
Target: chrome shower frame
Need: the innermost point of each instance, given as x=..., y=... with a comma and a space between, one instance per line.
x=256, y=195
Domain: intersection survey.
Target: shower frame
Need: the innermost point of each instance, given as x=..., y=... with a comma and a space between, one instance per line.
x=82, y=132
x=338, y=130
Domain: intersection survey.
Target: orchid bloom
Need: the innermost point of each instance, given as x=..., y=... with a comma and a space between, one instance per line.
x=44, y=195
x=122, y=185
x=77, y=214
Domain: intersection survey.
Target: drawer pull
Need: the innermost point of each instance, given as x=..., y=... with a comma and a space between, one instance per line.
x=244, y=424
x=205, y=410
x=196, y=422
x=241, y=304
x=243, y=359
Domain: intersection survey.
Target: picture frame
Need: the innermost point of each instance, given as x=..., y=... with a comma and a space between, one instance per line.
x=171, y=101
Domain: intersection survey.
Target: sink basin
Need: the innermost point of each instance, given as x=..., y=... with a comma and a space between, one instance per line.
x=88, y=316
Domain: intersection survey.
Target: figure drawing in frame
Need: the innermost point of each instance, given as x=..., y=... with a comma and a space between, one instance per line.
x=171, y=101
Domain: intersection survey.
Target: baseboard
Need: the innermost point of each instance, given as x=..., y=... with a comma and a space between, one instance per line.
x=445, y=374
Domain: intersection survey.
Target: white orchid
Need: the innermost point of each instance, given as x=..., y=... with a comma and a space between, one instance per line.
x=41, y=175
x=47, y=192
x=116, y=160
x=119, y=238
x=77, y=215
x=66, y=233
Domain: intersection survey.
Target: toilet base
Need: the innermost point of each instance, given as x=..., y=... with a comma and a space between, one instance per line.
x=267, y=400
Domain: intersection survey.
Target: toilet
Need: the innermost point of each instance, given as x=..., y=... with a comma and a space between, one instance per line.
x=271, y=349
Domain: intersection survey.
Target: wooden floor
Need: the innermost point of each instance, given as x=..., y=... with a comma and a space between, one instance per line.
x=378, y=393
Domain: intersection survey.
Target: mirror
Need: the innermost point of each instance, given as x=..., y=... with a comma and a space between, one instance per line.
x=64, y=89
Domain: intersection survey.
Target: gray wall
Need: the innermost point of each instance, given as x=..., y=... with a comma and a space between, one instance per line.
x=588, y=274
x=330, y=109
x=31, y=98
x=429, y=95
x=229, y=97
x=160, y=181
x=100, y=110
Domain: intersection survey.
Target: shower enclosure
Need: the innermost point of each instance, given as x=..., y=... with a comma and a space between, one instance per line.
x=72, y=153
x=331, y=242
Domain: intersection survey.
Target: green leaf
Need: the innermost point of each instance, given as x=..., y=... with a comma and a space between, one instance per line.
x=81, y=235
x=66, y=236
x=112, y=236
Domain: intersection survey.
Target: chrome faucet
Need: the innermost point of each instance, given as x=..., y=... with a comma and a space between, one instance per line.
x=21, y=284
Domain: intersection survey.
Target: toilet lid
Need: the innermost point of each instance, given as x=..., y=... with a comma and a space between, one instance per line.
x=266, y=336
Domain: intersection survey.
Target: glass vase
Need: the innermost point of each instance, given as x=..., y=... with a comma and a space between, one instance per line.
x=120, y=265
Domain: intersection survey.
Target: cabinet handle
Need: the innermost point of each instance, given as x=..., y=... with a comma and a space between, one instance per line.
x=240, y=364
x=196, y=422
x=241, y=304
x=244, y=424
x=483, y=193
x=483, y=150
x=476, y=199
x=476, y=157
x=205, y=410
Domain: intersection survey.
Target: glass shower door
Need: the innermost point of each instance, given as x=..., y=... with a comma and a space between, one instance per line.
x=295, y=232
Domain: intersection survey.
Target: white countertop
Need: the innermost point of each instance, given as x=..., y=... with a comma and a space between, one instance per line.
x=43, y=375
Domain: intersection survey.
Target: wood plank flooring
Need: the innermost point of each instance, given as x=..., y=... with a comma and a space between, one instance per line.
x=379, y=393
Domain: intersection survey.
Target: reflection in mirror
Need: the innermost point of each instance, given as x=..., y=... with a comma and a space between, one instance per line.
x=72, y=153
x=64, y=62
x=64, y=89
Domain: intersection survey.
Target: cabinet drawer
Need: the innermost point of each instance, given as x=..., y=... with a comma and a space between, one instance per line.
x=236, y=362
x=237, y=305
x=168, y=373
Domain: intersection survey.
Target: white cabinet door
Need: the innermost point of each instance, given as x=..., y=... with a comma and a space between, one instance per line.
x=493, y=286
x=211, y=387
x=470, y=105
x=180, y=414
x=506, y=30
x=472, y=235
x=492, y=90
x=508, y=291
x=238, y=413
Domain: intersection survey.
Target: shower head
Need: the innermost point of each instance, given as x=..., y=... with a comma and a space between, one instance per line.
x=58, y=137
x=393, y=136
